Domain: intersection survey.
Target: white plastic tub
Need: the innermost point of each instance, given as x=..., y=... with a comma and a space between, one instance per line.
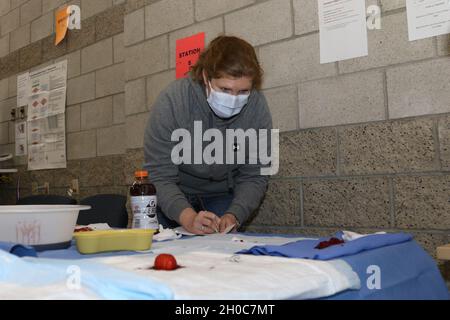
x=44, y=227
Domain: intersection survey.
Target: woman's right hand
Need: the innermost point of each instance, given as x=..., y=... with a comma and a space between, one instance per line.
x=204, y=222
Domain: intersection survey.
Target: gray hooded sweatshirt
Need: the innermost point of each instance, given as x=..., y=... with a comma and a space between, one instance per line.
x=178, y=106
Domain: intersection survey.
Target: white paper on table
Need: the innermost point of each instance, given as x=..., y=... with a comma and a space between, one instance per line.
x=213, y=275
x=427, y=18
x=343, y=30
x=23, y=89
x=181, y=230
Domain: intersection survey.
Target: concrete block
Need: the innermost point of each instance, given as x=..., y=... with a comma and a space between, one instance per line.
x=306, y=16
x=167, y=15
x=147, y=58
x=205, y=9
x=281, y=204
x=111, y=140
x=133, y=160
x=10, y=21
x=4, y=86
x=4, y=132
x=293, y=61
x=50, y=51
x=77, y=39
x=73, y=118
x=5, y=109
x=73, y=64
x=97, y=114
x=110, y=80
x=362, y=202
x=65, y=176
x=283, y=105
x=12, y=132
x=4, y=45
x=444, y=141
x=20, y=37
x=9, y=64
x=118, y=48
x=17, y=3
x=12, y=88
x=93, y=173
x=30, y=11
x=42, y=27
x=135, y=97
x=97, y=56
x=443, y=43
x=421, y=202
x=30, y=56
x=341, y=100
x=308, y=153
x=90, y=8
x=119, y=108
x=135, y=127
x=110, y=22
x=157, y=83
x=389, y=147
x=419, y=89
x=262, y=23
x=81, y=89
x=81, y=145
x=49, y=5
x=134, y=27
x=5, y=6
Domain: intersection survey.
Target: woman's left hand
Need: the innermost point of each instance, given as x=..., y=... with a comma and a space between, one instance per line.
x=227, y=220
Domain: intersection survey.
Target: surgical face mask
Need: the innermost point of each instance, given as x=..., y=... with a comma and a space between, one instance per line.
x=226, y=105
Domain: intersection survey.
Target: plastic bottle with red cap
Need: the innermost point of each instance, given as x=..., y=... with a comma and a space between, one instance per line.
x=143, y=202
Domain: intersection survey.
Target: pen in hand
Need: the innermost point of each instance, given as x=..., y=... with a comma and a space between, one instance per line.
x=202, y=205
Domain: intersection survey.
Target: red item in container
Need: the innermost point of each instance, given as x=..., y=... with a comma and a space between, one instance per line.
x=84, y=229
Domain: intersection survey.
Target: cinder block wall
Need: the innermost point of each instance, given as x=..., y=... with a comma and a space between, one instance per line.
x=95, y=121
x=365, y=143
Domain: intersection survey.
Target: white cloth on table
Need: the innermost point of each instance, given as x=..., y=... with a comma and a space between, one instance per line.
x=350, y=236
x=213, y=275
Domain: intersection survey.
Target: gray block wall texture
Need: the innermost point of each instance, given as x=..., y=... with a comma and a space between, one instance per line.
x=365, y=143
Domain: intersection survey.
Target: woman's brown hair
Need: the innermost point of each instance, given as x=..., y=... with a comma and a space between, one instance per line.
x=230, y=56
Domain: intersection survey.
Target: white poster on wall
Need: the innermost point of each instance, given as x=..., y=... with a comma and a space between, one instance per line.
x=427, y=18
x=47, y=143
x=46, y=134
x=343, y=31
x=23, y=89
x=48, y=91
x=21, y=138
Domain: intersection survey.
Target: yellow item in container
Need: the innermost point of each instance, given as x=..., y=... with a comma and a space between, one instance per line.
x=114, y=240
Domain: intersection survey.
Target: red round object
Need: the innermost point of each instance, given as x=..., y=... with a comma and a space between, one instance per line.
x=165, y=262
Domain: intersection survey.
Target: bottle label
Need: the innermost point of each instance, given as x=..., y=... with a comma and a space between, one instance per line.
x=144, y=212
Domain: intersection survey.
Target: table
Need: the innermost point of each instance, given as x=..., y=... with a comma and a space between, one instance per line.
x=407, y=272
